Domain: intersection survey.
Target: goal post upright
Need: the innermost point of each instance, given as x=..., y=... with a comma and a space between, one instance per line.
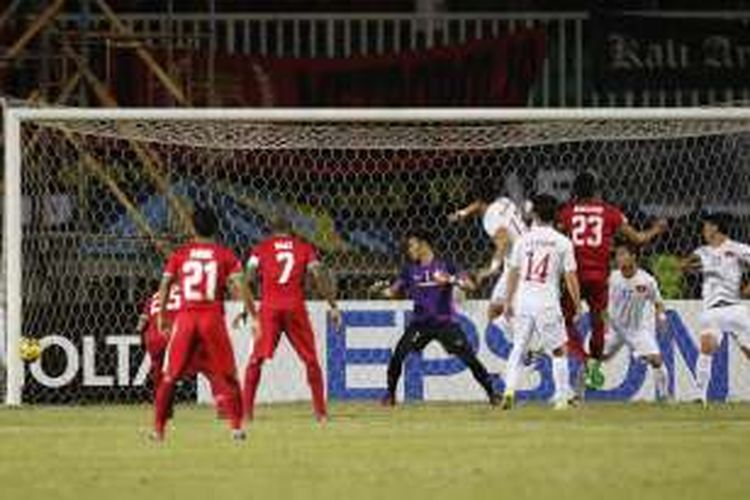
x=13, y=257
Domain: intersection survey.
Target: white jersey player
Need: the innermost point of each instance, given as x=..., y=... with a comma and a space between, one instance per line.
x=721, y=261
x=635, y=308
x=503, y=222
x=540, y=259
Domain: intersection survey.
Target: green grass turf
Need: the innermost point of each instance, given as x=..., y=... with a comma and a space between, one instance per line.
x=433, y=451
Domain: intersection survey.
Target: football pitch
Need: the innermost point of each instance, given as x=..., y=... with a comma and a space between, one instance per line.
x=433, y=451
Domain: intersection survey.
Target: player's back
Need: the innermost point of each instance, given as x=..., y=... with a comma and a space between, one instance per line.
x=282, y=262
x=173, y=305
x=541, y=256
x=592, y=226
x=202, y=271
x=503, y=213
x=722, y=269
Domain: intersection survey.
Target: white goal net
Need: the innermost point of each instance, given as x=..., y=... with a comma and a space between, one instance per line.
x=93, y=199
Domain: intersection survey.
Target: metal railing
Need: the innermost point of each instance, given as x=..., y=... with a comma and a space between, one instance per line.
x=565, y=78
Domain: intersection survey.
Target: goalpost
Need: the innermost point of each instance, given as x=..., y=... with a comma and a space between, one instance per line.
x=95, y=197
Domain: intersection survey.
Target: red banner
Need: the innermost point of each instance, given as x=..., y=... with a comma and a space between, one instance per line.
x=493, y=72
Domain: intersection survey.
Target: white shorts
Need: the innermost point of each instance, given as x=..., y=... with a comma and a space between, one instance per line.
x=546, y=326
x=734, y=320
x=640, y=342
x=499, y=291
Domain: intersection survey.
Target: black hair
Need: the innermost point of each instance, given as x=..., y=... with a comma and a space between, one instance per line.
x=721, y=221
x=585, y=185
x=545, y=207
x=485, y=192
x=419, y=234
x=205, y=222
x=280, y=224
x=627, y=245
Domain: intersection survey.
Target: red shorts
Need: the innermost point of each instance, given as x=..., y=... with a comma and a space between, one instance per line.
x=595, y=293
x=295, y=322
x=156, y=346
x=199, y=340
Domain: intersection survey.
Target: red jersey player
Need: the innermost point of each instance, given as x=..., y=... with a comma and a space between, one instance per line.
x=592, y=225
x=283, y=261
x=203, y=269
x=155, y=342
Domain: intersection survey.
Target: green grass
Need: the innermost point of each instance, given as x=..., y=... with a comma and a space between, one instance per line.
x=434, y=451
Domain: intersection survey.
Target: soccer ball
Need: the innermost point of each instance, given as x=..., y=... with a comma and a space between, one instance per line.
x=30, y=349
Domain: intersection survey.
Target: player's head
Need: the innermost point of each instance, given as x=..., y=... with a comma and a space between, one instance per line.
x=544, y=208
x=485, y=192
x=205, y=222
x=715, y=225
x=280, y=224
x=585, y=186
x=418, y=244
x=626, y=255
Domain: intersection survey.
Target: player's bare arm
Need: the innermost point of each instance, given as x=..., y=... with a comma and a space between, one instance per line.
x=464, y=282
x=574, y=289
x=691, y=264
x=643, y=237
x=142, y=322
x=470, y=210
x=325, y=286
x=166, y=283
x=662, y=323
x=241, y=291
x=386, y=289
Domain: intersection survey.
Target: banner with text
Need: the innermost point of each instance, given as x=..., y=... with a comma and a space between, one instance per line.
x=636, y=52
x=112, y=367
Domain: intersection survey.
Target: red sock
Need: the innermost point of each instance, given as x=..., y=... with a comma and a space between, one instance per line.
x=234, y=403
x=315, y=379
x=252, y=380
x=163, y=404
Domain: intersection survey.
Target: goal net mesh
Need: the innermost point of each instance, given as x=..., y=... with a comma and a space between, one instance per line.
x=103, y=200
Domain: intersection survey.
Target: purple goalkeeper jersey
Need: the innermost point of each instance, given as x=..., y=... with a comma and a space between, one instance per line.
x=433, y=303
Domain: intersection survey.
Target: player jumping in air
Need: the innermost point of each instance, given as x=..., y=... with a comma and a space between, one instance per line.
x=203, y=269
x=540, y=259
x=503, y=222
x=721, y=261
x=636, y=312
x=283, y=261
x=592, y=225
x=429, y=282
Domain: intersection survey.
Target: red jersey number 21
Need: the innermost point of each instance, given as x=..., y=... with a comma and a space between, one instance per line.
x=537, y=268
x=199, y=280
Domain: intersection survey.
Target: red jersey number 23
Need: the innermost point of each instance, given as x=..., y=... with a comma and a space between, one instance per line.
x=587, y=230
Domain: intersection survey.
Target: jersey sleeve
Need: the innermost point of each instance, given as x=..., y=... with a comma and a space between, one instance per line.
x=616, y=217
x=515, y=256
x=743, y=253
x=234, y=266
x=402, y=282
x=563, y=219
x=655, y=291
x=253, y=259
x=568, y=257
x=311, y=257
x=173, y=265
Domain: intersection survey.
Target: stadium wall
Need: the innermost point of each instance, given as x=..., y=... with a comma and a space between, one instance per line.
x=355, y=359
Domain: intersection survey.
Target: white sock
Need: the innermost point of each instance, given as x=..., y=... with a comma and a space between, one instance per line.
x=661, y=381
x=703, y=373
x=561, y=376
x=513, y=368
